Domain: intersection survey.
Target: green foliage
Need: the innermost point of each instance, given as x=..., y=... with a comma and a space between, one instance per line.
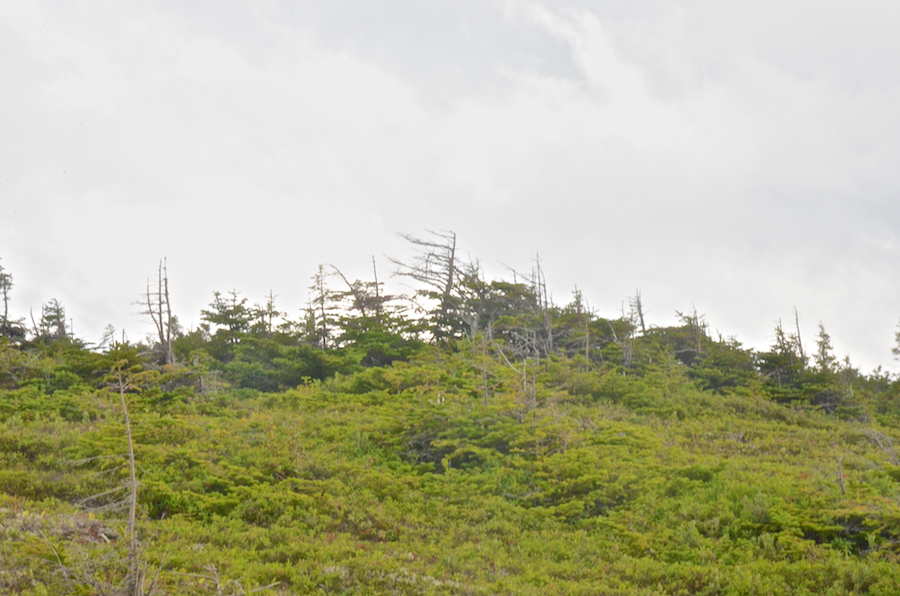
x=535, y=449
x=402, y=479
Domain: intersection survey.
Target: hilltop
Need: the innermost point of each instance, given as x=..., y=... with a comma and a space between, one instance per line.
x=489, y=443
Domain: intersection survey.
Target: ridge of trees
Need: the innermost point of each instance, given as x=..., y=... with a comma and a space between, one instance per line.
x=352, y=324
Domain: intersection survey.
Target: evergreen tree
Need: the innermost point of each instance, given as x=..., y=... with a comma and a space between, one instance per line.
x=263, y=317
x=323, y=311
x=230, y=314
x=53, y=321
x=9, y=328
x=824, y=359
x=896, y=349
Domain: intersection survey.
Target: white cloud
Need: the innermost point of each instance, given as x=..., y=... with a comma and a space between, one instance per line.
x=739, y=158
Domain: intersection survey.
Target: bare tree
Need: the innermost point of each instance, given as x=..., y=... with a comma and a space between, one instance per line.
x=378, y=302
x=533, y=337
x=632, y=320
x=797, y=339
x=135, y=580
x=158, y=306
x=539, y=284
x=884, y=442
x=637, y=310
x=437, y=268
x=364, y=297
x=584, y=314
x=123, y=379
x=840, y=473
x=625, y=340
x=696, y=325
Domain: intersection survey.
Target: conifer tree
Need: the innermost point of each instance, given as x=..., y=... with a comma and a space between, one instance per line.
x=896, y=349
x=11, y=329
x=824, y=359
x=230, y=314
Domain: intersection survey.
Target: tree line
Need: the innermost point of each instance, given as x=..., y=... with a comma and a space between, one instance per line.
x=349, y=324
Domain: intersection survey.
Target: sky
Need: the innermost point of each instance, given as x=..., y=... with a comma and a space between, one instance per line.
x=737, y=158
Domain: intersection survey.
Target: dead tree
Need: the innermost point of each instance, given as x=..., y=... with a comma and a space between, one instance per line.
x=696, y=327
x=625, y=340
x=134, y=575
x=637, y=309
x=159, y=308
x=319, y=307
x=584, y=315
x=534, y=337
x=364, y=297
x=886, y=444
x=437, y=268
x=539, y=283
x=124, y=379
x=799, y=341
x=378, y=301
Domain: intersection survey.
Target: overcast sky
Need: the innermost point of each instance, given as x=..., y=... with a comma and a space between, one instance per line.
x=740, y=157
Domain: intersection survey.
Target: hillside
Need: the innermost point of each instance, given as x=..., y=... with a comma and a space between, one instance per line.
x=409, y=479
x=493, y=444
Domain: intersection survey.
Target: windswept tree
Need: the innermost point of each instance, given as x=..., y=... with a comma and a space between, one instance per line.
x=460, y=302
x=436, y=267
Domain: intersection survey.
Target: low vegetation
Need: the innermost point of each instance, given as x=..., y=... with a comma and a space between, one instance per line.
x=492, y=444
